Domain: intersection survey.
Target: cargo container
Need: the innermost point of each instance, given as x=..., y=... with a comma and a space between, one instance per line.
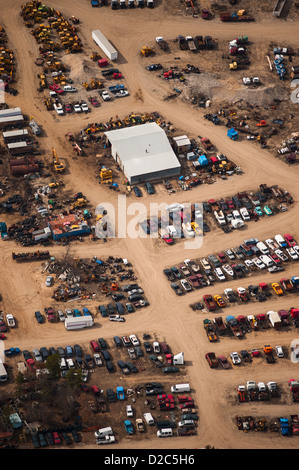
x=104, y=44
x=76, y=323
x=15, y=136
x=17, y=148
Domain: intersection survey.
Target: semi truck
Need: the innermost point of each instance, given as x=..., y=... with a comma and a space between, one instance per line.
x=104, y=44
x=77, y=323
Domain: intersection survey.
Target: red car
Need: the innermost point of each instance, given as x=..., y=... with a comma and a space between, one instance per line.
x=94, y=102
x=67, y=108
x=56, y=438
x=116, y=75
x=31, y=364
x=95, y=346
x=275, y=258
x=222, y=257
x=56, y=88
x=2, y=336
x=230, y=204
x=194, y=281
x=290, y=240
x=168, y=240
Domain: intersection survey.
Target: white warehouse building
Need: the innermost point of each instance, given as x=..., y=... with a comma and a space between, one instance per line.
x=143, y=152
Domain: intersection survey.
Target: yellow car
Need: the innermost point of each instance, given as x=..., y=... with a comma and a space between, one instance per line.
x=219, y=301
x=277, y=289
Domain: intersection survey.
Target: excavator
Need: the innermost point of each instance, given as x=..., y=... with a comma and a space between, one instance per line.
x=58, y=166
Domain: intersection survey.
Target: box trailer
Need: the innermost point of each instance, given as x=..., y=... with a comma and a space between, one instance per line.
x=274, y=319
x=77, y=323
x=3, y=372
x=17, y=148
x=11, y=120
x=10, y=112
x=15, y=136
x=104, y=44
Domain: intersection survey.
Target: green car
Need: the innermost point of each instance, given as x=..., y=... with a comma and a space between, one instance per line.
x=267, y=210
x=149, y=188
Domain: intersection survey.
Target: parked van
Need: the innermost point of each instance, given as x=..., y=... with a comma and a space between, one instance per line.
x=266, y=260
x=149, y=419
x=156, y=347
x=166, y=432
x=104, y=432
x=117, y=341
x=263, y=248
x=179, y=388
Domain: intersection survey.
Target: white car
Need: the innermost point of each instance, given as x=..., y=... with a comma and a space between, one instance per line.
x=281, y=255
x=259, y=264
x=116, y=318
x=134, y=340
x=105, y=95
x=61, y=315
x=261, y=387
x=250, y=385
x=69, y=313
x=247, y=80
x=235, y=358
x=292, y=253
x=49, y=281
x=186, y=286
x=129, y=411
x=70, y=363
x=105, y=440
x=296, y=249
x=244, y=214
x=249, y=263
x=279, y=351
x=84, y=107
x=77, y=108
x=220, y=274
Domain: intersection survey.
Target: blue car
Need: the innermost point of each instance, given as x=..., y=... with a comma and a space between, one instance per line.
x=137, y=191
x=39, y=317
x=258, y=211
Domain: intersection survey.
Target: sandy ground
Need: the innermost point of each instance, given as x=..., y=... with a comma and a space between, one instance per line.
x=171, y=316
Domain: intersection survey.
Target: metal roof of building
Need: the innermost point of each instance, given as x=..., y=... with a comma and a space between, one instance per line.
x=143, y=149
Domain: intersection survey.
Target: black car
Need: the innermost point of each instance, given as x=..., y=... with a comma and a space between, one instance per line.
x=109, y=72
x=177, y=289
x=148, y=347
x=148, y=186
x=75, y=436
x=111, y=309
x=66, y=438
x=132, y=367
x=102, y=343
x=103, y=310
x=154, y=391
x=49, y=438
x=117, y=296
x=77, y=350
x=52, y=351
x=39, y=317
x=206, y=207
x=106, y=356
x=117, y=341
x=111, y=395
x=26, y=354
x=137, y=191
x=42, y=439
x=61, y=351
x=44, y=353
x=138, y=352
x=110, y=366
x=35, y=440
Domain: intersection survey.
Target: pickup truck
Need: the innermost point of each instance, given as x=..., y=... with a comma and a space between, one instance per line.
x=212, y=360
x=286, y=284
x=140, y=425
x=11, y=352
x=209, y=302
x=128, y=426
x=10, y=320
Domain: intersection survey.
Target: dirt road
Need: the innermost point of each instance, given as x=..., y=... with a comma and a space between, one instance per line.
x=167, y=315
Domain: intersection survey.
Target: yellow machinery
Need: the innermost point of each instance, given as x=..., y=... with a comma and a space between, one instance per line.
x=106, y=176
x=146, y=51
x=81, y=202
x=233, y=66
x=58, y=166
